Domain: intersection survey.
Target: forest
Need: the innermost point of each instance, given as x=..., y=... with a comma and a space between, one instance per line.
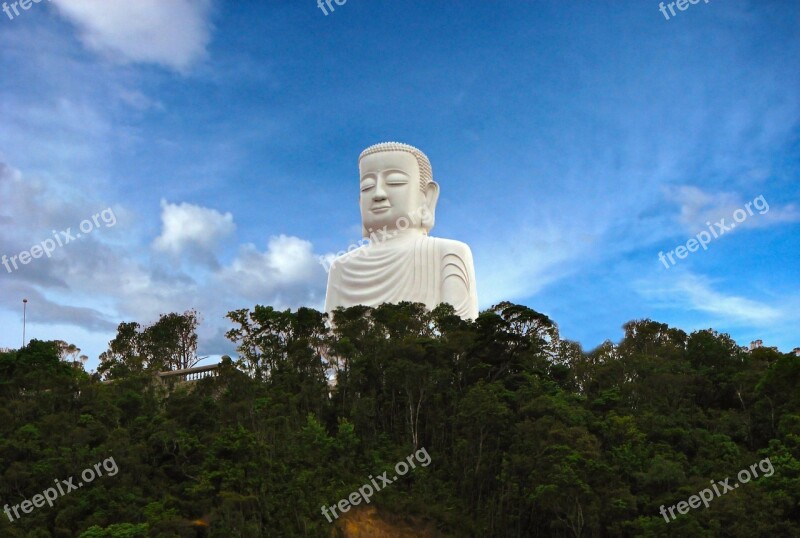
x=527, y=433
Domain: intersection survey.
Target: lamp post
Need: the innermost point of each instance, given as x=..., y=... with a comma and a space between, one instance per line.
x=24, y=319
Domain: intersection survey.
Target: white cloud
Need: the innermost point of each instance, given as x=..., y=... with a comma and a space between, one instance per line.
x=287, y=271
x=92, y=284
x=172, y=33
x=192, y=228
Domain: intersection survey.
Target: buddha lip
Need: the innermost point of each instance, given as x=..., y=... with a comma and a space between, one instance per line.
x=381, y=208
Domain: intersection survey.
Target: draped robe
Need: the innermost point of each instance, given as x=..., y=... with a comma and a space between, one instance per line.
x=412, y=269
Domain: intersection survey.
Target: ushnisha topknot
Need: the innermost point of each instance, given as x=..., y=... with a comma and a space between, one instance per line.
x=425, y=170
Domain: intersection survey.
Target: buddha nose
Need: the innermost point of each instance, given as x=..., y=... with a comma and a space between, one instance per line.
x=380, y=192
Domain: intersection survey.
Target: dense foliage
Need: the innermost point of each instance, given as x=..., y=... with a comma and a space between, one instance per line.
x=528, y=435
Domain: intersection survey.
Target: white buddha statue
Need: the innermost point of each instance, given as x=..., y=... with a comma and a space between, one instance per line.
x=401, y=262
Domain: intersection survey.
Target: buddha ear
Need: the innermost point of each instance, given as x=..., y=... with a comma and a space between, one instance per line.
x=431, y=198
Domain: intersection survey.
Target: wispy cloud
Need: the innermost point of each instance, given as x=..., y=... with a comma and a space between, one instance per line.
x=697, y=207
x=696, y=293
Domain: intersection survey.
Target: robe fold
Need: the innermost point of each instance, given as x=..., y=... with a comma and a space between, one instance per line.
x=410, y=269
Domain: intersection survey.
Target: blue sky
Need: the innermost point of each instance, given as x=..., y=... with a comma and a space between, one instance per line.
x=573, y=142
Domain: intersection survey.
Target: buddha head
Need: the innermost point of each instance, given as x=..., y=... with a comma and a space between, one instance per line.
x=397, y=189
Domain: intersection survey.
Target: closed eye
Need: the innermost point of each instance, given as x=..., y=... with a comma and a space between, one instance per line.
x=396, y=178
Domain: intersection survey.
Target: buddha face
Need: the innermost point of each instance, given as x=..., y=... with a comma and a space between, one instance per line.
x=390, y=190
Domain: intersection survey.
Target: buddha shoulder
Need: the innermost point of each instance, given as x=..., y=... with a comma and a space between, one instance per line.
x=452, y=247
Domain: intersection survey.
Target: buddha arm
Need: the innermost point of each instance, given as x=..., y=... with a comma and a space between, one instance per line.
x=458, y=281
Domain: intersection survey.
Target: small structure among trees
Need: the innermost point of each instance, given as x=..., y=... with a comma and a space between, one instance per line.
x=168, y=344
